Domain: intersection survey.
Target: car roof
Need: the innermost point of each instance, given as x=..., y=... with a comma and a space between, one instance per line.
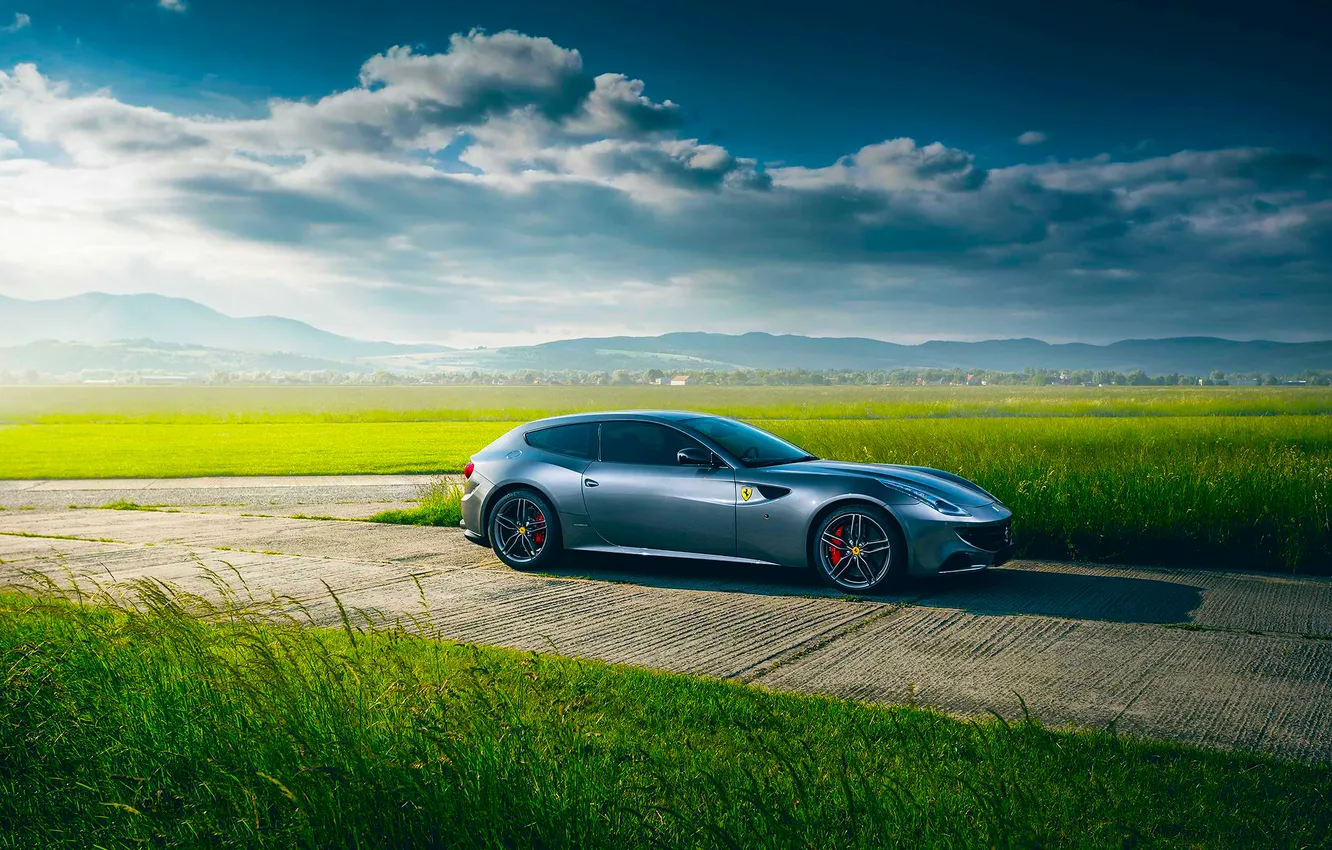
x=601, y=416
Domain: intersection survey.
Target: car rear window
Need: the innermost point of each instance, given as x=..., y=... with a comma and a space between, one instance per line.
x=575, y=440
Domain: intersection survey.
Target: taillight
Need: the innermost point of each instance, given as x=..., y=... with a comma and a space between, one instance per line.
x=467, y=470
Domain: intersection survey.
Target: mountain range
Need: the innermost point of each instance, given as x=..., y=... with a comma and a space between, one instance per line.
x=98, y=318
x=155, y=333
x=1191, y=355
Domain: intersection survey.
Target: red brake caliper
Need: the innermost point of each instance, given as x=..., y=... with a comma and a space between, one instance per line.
x=835, y=554
x=540, y=537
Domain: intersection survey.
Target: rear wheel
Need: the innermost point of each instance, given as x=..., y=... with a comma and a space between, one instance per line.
x=859, y=549
x=524, y=531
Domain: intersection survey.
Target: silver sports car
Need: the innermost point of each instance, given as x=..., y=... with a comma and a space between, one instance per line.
x=691, y=485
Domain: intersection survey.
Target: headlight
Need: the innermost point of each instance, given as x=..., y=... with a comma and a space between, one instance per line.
x=941, y=505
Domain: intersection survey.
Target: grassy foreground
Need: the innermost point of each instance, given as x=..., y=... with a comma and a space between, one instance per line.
x=189, y=725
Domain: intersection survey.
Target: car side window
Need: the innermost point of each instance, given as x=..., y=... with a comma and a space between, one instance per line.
x=578, y=440
x=643, y=443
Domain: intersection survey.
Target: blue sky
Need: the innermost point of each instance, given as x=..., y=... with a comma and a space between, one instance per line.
x=842, y=169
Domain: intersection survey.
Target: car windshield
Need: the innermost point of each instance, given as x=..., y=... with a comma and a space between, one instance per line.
x=753, y=446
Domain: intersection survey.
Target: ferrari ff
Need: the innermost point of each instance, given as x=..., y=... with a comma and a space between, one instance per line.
x=691, y=485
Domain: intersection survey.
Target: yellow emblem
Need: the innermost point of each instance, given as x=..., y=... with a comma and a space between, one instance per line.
x=746, y=492
x=855, y=550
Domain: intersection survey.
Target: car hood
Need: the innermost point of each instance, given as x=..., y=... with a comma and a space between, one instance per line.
x=946, y=485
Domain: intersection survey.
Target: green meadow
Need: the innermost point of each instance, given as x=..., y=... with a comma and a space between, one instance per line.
x=289, y=404
x=1230, y=477
x=159, y=720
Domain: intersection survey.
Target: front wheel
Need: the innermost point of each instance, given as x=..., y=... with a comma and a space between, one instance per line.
x=858, y=549
x=524, y=531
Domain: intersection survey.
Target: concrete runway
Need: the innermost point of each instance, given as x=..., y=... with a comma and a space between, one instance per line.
x=1217, y=658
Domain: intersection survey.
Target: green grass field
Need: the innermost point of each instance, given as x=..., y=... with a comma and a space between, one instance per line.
x=283, y=404
x=1194, y=476
x=170, y=723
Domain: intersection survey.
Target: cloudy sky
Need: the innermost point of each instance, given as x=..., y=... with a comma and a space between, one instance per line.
x=502, y=172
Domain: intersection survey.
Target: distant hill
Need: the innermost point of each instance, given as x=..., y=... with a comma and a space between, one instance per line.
x=98, y=318
x=84, y=326
x=1188, y=355
x=194, y=361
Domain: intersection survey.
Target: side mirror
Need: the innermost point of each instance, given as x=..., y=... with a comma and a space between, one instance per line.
x=694, y=456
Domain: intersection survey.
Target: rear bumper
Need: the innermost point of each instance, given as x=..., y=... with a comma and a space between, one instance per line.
x=474, y=496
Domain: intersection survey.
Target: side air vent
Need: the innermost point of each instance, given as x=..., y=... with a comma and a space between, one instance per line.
x=770, y=492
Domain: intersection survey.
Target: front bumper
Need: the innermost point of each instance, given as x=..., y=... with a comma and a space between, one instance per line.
x=936, y=547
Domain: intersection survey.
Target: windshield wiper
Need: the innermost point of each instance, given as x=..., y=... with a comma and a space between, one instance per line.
x=753, y=464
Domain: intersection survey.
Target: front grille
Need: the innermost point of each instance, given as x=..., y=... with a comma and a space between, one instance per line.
x=991, y=538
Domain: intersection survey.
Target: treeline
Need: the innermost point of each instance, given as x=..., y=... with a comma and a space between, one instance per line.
x=798, y=377
x=706, y=377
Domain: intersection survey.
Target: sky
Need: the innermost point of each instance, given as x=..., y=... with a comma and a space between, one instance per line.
x=494, y=173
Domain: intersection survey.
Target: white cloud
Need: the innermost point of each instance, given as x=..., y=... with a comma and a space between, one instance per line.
x=893, y=165
x=1031, y=137
x=172, y=5
x=21, y=21
x=501, y=174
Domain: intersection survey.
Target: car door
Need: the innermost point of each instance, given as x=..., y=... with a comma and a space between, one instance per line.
x=638, y=495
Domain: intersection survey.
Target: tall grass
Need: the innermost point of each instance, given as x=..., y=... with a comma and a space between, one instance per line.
x=439, y=502
x=155, y=718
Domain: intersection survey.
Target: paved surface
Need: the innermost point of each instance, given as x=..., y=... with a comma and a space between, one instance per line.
x=1226, y=659
x=286, y=493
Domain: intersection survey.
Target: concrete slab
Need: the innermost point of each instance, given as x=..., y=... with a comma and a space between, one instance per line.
x=338, y=510
x=238, y=492
x=1300, y=605
x=17, y=485
x=226, y=482
x=688, y=631
x=1220, y=688
x=17, y=551
x=63, y=485
x=258, y=482
x=312, y=538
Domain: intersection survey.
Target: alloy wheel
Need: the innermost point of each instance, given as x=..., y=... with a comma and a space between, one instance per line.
x=520, y=530
x=855, y=550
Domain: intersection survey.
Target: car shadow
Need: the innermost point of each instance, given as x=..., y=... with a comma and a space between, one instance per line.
x=692, y=574
x=1068, y=594
x=1009, y=590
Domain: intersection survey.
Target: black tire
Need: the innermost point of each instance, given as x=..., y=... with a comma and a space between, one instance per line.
x=514, y=533
x=836, y=544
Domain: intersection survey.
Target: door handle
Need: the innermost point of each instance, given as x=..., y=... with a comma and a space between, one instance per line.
x=589, y=482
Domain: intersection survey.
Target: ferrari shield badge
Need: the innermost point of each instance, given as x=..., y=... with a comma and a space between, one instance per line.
x=746, y=492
